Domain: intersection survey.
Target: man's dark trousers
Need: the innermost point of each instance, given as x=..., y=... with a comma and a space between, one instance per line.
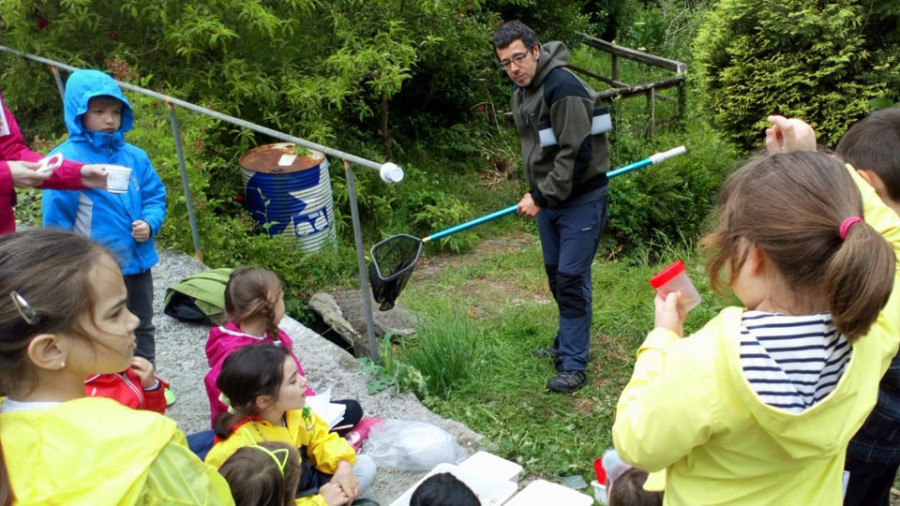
x=569, y=240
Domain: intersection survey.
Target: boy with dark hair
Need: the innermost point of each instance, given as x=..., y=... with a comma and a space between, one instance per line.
x=443, y=489
x=872, y=146
x=566, y=156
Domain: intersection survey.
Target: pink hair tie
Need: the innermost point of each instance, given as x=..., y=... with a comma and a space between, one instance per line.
x=847, y=223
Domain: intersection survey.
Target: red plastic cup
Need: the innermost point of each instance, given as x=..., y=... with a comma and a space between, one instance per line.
x=674, y=278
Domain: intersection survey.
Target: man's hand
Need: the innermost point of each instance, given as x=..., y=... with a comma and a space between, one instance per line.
x=25, y=175
x=94, y=175
x=140, y=230
x=144, y=370
x=345, y=478
x=789, y=135
x=527, y=207
x=667, y=315
x=333, y=494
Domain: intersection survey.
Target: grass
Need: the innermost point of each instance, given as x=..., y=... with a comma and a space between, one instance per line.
x=484, y=318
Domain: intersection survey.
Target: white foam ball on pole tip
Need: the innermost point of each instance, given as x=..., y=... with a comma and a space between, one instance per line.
x=391, y=173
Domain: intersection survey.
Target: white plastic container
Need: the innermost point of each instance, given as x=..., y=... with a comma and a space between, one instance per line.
x=118, y=179
x=674, y=278
x=49, y=164
x=601, y=493
x=491, y=466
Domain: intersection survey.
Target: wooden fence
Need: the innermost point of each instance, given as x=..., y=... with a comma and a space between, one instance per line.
x=650, y=90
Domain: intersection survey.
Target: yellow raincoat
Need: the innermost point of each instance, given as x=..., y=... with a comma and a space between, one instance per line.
x=94, y=451
x=324, y=449
x=689, y=410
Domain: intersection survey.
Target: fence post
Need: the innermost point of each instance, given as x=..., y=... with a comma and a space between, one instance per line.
x=361, y=260
x=651, y=112
x=59, y=83
x=682, y=101
x=615, y=67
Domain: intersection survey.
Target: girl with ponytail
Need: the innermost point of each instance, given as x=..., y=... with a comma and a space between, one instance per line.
x=757, y=406
x=254, y=306
x=63, y=317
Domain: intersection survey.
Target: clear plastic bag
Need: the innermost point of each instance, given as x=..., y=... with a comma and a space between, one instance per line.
x=412, y=445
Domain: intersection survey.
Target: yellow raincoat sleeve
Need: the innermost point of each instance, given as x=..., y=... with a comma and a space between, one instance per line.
x=177, y=476
x=325, y=449
x=668, y=406
x=311, y=500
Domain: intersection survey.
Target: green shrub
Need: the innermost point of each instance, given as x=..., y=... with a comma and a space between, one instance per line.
x=669, y=202
x=822, y=61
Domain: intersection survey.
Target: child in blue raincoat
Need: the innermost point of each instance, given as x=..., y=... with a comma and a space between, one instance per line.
x=97, y=116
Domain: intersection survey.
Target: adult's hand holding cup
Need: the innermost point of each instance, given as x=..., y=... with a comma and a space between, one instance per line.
x=674, y=278
x=391, y=173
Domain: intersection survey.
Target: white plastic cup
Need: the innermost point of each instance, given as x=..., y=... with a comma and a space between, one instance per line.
x=118, y=179
x=49, y=164
x=674, y=278
x=391, y=173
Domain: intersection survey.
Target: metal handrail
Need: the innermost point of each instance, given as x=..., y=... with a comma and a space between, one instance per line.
x=348, y=159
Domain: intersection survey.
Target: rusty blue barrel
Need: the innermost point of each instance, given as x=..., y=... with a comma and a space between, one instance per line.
x=288, y=190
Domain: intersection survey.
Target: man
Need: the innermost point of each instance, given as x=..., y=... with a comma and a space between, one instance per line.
x=566, y=156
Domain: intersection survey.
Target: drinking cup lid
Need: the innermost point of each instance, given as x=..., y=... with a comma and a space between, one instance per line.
x=668, y=274
x=599, y=471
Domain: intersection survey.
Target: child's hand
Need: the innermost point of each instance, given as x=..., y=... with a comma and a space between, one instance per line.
x=94, y=175
x=333, y=494
x=345, y=478
x=789, y=135
x=667, y=315
x=140, y=230
x=144, y=370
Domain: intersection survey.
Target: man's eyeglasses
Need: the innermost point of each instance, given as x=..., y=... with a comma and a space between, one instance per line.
x=518, y=59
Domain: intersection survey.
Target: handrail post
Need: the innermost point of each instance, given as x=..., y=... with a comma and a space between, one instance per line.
x=361, y=260
x=185, y=183
x=59, y=83
x=615, y=67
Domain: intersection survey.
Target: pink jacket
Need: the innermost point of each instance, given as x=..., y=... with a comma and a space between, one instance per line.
x=224, y=340
x=13, y=148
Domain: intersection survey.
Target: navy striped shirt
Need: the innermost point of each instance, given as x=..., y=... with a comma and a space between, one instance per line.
x=792, y=362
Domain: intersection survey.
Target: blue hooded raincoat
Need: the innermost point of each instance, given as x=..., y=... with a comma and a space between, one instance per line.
x=103, y=216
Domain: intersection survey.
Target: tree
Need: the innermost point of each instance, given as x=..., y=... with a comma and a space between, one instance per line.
x=823, y=61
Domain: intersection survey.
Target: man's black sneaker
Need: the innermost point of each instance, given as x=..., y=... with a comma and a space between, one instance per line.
x=548, y=352
x=567, y=382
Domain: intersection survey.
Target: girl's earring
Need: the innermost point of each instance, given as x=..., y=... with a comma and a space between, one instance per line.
x=62, y=364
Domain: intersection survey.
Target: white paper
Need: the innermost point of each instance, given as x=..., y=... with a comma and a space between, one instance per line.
x=325, y=409
x=4, y=127
x=491, y=490
x=286, y=160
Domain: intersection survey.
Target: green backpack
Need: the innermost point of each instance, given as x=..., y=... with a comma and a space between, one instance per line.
x=199, y=298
